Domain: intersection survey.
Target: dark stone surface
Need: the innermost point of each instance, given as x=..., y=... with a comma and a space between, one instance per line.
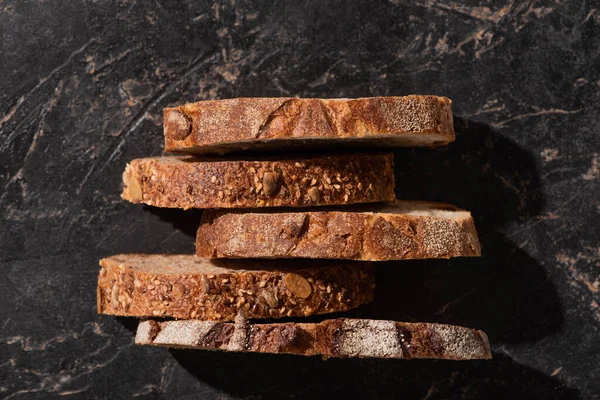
x=81, y=91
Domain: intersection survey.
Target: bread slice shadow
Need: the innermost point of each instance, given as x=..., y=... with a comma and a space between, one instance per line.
x=266, y=376
x=505, y=293
x=483, y=172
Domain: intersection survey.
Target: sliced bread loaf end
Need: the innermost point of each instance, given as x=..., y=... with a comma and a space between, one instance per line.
x=341, y=338
x=222, y=126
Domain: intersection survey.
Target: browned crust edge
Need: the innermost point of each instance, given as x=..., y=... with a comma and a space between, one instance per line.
x=186, y=182
x=219, y=126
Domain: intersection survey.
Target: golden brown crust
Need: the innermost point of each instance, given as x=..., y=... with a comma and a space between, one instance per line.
x=188, y=287
x=340, y=338
x=398, y=231
x=220, y=126
x=188, y=182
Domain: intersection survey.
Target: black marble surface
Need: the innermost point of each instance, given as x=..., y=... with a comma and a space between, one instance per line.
x=82, y=86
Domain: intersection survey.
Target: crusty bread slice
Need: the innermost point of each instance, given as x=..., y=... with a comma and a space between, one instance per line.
x=374, y=232
x=185, y=286
x=188, y=182
x=221, y=126
x=331, y=338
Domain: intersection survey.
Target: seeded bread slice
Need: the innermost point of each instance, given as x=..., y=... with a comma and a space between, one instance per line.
x=185, y=286
x=375, y=232
x=331, y=338
x=222, y=126
x=188, y=182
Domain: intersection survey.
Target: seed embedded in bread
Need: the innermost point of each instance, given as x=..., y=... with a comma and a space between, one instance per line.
x=177, y=125
x=297, y=285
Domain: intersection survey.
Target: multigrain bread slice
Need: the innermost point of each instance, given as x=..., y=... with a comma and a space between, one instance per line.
x=331, y=338
x=221, y=126
x=185, y=286
x=189, y=182
x=374, y=232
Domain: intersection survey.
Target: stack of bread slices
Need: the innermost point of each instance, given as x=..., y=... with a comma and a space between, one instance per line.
x=298, y=214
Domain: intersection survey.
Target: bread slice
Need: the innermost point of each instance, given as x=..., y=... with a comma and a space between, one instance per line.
x=375, y=232
x=331, y=338
x=222, y=126
x=188, y=182
x=185, y=286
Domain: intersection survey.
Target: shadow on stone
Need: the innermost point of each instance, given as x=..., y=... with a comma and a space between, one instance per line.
x=482, y=172
x=282, y=376
x=506, y=293
x=129, y=323
x=186, y=221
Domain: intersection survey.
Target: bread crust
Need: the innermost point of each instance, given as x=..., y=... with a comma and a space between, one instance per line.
x=184, y=286
x=189, y=182
x=372, y=233
x=340, y=338
x=221, y=126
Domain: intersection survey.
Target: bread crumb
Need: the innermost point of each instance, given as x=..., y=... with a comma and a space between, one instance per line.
x=370, y=338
